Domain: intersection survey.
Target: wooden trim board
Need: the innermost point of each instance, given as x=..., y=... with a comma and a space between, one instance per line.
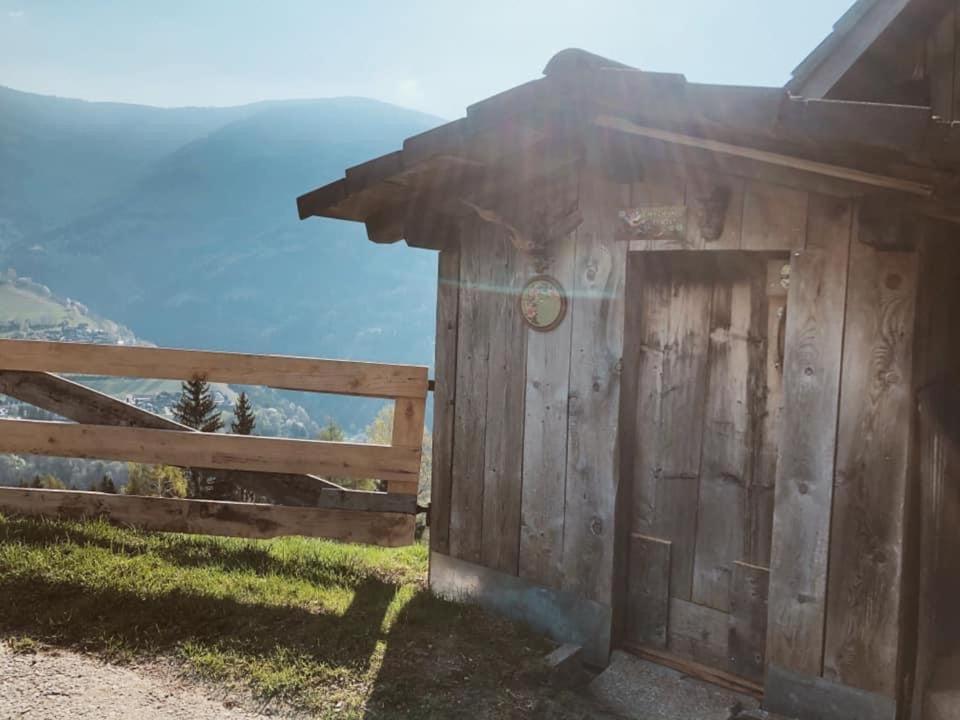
x=695, y=669
x=341, y=377
x=771, y=158
x=209, y=517
x=208, y=450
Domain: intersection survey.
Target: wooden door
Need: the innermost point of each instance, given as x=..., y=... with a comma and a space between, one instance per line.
x=702, y=400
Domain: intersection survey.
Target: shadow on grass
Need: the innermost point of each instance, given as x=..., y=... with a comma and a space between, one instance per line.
x=118, y=622
x=438, y=659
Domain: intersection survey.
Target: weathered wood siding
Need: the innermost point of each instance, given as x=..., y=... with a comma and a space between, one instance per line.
x=931, y=571
x=867, y=530
x=804, y=485
x=444, y=396
x=841, y=530
x=533, y=467
x=763, y=427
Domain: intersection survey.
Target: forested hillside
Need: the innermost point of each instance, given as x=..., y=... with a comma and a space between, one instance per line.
x=181, y=224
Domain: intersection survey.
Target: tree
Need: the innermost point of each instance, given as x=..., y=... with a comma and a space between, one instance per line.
x=155, y=481
x=47, y=482
x=244, y=421
x=331, y=432
x=106, y=485
x=196, y=408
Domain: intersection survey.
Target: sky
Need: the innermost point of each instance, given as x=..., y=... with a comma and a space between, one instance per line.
x=437, y=56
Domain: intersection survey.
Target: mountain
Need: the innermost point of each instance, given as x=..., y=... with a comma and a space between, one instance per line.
x=189, y=233
x=59, y=158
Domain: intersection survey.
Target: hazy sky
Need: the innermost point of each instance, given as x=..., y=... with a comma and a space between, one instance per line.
x=433, y=55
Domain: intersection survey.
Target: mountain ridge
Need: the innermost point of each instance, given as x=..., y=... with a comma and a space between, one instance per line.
x=200, y=245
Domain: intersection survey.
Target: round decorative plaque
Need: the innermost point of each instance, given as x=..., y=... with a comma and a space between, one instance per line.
x=543, y=303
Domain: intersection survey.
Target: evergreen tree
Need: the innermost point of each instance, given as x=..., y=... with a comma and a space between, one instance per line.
x=196, y=408
x=244, y=421
x=106, y=485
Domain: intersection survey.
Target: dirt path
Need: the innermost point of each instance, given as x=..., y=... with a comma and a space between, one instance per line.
x=60, y=684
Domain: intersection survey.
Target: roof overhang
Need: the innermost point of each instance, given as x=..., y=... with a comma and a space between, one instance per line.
x=537, y=128
x=869, y=27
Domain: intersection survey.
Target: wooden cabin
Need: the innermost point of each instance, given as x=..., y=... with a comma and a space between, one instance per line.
x=697, y=361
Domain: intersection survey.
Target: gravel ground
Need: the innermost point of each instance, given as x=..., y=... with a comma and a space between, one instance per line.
x=642, y=690
x=48, y=685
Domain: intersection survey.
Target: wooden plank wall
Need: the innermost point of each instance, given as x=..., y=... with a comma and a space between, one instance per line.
x=840, y=528
x=534, y=475
x=534, y=471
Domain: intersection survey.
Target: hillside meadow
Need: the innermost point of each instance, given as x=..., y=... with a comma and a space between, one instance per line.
x=338, y=631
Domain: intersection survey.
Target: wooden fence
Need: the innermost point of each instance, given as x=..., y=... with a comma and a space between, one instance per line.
x=279, y=468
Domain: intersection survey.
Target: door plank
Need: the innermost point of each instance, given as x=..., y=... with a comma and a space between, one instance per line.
x=646, y=330
x=683, y=396
x=699, y=633
x=648, y=591
x=804, y=486
x=726, y=441
x=768, y=404
x=748, y=620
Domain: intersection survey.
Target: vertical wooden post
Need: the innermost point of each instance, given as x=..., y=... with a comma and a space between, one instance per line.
x=407, y=433
x=804, y=489
x=444, y=397
x=597, y=317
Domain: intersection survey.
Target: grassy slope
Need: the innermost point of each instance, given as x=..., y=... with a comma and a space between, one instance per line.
x=22, y=304
x=343, y=631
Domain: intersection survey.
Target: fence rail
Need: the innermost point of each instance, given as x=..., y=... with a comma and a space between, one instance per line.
x=113, y=430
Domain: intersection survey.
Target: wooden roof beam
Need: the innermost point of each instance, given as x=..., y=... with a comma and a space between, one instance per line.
x=802, y=165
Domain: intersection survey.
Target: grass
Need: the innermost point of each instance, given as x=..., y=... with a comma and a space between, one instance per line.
x=22, y=304
x=337, y=630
